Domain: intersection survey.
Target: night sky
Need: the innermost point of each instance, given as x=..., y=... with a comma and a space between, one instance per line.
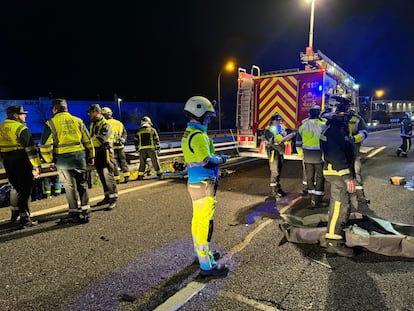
x=171, y=50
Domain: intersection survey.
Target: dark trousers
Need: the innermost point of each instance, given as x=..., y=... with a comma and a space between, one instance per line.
x=120, y=161
x=406, y=144
x=75, y=183
x=144, y=154
x=105, y=168
x=275, y=165
x=314, y=178
x=19, y=173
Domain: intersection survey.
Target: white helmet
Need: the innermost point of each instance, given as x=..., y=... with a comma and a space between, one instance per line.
x=199, y=106
x=146, y=121
x=106, y=111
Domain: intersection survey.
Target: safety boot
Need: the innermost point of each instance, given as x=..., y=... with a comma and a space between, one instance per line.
x=112, y=204
x=14, y=215
x=338, y=247
x=126, y=179
x=103, y=202
x=398, y=152
x=27, y=222
x=140, y=177
x=160, y=176
x=217, y=272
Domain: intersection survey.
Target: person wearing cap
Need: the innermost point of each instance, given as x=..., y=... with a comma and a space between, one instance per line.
x=308, y=139
x=118, y=139
x=338, y=154
x=147, y=144
x=21, y=160
x=275, y=136
x=101, y=131
x=67, y=145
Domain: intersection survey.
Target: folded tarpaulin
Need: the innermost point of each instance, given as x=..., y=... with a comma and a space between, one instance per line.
x=372, y=233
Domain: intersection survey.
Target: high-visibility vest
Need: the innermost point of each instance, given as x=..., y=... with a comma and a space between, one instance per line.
x=118, y=133
x=310, y=131
x=147, y=138
x=96, y=127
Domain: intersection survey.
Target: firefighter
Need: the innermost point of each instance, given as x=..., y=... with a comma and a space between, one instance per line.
x=118, y=139
x=338, y=154
x=100, y=130
x=20, y=159
x=67, y=145
x=275, y=136
x=308, y=139
x=406, y=133
x=202, y=168
x=147, y=144
x=359, y=132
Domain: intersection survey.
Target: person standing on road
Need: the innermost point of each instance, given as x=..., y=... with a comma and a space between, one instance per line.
x=359, y=132
x=20, y=159
x=118, y=139
x=202, y=169
x=338, y=154
x=406, y=133
x=147, y=144
x=309, y=140
x=101, y=131
x=275, y=136
x=66, y=143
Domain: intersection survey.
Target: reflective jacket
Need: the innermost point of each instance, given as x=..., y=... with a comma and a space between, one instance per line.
x=64, y=134
x=101, y=132
x=406, y=127
x=357, y=128
x=16, y=142
x=337, y=149
x=309, y=133
x=198, y=150
x=119, y=133
x=146, y=138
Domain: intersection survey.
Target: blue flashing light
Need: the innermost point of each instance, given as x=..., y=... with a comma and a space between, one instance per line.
x=320, y=88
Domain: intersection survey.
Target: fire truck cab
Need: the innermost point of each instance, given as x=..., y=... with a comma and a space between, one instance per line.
x=289, y=93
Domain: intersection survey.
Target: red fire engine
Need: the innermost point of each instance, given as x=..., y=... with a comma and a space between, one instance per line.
x=289, y=93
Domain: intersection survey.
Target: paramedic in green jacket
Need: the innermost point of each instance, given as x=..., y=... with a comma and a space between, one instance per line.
x=202, y=169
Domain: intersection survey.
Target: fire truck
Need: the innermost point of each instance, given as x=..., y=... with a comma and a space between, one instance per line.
x=289, y=93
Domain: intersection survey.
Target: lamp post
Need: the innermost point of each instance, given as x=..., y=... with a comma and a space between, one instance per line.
x=378, y=94
x=309, y=50
x=228, y=67
x=119, y=100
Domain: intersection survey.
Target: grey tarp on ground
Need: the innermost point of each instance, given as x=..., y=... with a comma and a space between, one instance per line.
x=374, y=234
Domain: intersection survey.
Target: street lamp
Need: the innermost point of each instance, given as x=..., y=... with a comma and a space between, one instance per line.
x=309, y=49
x=119, y=100
x=378, y=94
x=228, y=67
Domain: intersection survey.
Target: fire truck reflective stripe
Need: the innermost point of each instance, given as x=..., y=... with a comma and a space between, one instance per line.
x=278, y=95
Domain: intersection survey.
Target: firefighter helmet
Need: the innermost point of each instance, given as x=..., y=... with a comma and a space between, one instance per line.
x=106, y=111
x=199, y=107
x=146, y=121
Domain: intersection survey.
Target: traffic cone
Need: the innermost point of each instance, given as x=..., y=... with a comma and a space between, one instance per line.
x=288, y=149
x=262, y=147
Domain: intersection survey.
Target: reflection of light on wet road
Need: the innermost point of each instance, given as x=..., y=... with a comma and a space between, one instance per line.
x=267, y=207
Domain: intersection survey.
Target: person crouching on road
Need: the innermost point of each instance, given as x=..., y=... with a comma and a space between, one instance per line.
x=338, y=153
x=118, y=139
x=406, y=133
x=202, y=169
x=147, y=143
x=66, y=143
x=101, y=134
x=20, y=159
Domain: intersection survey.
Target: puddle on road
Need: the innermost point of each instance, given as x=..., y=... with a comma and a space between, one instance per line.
x=248, y=215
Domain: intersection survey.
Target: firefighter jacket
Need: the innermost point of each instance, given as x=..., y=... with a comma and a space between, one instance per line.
x=146, y=138
x=406, y=127
x=101, y=132
x=119, y=134
x=66, y=140
x=309, y=139
x=198, y=150
x=337, y=149
x=357, y=128
x=273, y=136
x=16, y=142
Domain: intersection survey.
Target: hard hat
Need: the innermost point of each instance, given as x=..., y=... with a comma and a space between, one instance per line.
x=146, y=121
x=314, y=111
x=106, y=111
x=199, y=106
x=275, y=117
x=15, y=109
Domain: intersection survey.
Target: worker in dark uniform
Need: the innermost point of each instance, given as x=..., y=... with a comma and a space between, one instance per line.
x=101, y=131
x=66, y=143
x=275, y=136
x=406, y=133
x=20, y=159
x=118, y=139
x=202, y=167
x=147, y=143
x=338, y=154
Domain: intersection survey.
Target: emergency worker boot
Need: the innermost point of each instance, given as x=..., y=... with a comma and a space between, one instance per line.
x=126, y=179
x=338, y=247
x=398, y=152
x=112, y=204
x=280, y=193
x=160, y=176
x=218, y=271
x=103, y=202
x=14, y=215
x=27, y=222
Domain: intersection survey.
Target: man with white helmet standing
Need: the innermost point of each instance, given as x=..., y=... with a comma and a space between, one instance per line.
x=202, y=169
x=147, y=143
x=118, y=139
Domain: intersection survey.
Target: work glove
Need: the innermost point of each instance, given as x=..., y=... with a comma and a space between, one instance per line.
x=224, y=157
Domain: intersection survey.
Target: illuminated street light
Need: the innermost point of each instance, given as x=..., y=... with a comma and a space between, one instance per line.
x=119, y=100
x=309, y=49
x=378, y=94
x=228, y=67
